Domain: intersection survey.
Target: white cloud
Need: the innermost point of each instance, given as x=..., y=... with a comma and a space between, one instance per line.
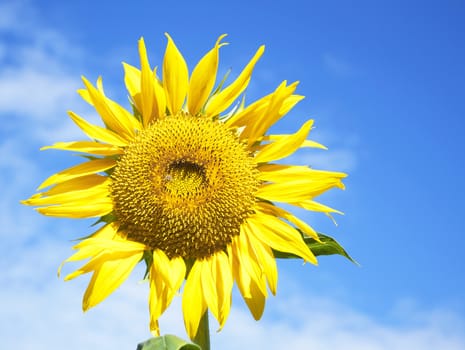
x=344, y=160
x=315, y=323
x=36, y=85
x=35, y=94
x=17, y=174
x=40, y=311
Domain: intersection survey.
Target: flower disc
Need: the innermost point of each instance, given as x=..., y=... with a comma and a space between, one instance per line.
x=184, y=186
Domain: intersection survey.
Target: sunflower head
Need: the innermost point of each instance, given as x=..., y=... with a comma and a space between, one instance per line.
x=189, y=185
x=184, y=185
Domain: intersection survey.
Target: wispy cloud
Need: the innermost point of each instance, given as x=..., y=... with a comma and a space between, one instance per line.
x=36, y=82
x=335, y=159
x=337, y=65
x=40, y=311
x=44, y=313
x=317, y=323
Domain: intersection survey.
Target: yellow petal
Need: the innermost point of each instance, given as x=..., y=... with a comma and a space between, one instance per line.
x=255, y=113
x=105, y=244
x=285, y=145
x=249, y=287
x=284, y=173
x=127, y=123
x=271, y=209
x=289, y=103
x=256, y=129
x=107, y=277
x=193, y=303
x=161, y=265
x=279, y=236
x=249, y=114
x=160, y=98
x=306, y=143
x=71, y=197
x=98, y=133
x=178, y=272
x=109, y=231
x=224, y=282
x=96, y=260
x=132, y=82
x=131, y=124
x=86, y=147
x=158, y=299
x=240, y=273
x=223, y=99
x=256, y=303
x=265, y=258
x=166, y=277
x=80, y=210
x=209, y=286
x=87, y=249
x=172, y=271
x=217, y=285
x=90, y=250
x=203, y=79
x=296, y=190
x=147, y=87
x=244, y=251
x=77, y=184
x=315, y=206
x=91, y=167
x=175, y=77
x=118, y=122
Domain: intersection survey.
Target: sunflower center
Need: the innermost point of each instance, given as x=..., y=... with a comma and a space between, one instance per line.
x=184, y=178
x=184, y=185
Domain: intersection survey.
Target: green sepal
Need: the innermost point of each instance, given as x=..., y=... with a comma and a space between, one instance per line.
x=107, y=219
x=148, y=259
x=135, y=112
x=167, y=342
x=220, y=85
x=216, y=91
x=326, y=246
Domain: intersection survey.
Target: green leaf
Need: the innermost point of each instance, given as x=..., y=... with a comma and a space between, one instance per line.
x=167, y=342
x=327, y=246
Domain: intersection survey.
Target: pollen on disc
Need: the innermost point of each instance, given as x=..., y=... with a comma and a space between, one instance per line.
x=184, y=185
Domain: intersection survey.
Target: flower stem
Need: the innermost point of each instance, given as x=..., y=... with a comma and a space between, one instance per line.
x=202, y=338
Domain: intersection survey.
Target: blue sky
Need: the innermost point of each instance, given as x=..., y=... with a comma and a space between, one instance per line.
x=384, y=81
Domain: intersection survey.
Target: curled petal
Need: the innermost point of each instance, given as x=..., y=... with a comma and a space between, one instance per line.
x=203, y=79
x=223, y=99
x=285, y=145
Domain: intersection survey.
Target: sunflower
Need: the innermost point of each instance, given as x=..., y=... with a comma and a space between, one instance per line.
x=187, y=182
